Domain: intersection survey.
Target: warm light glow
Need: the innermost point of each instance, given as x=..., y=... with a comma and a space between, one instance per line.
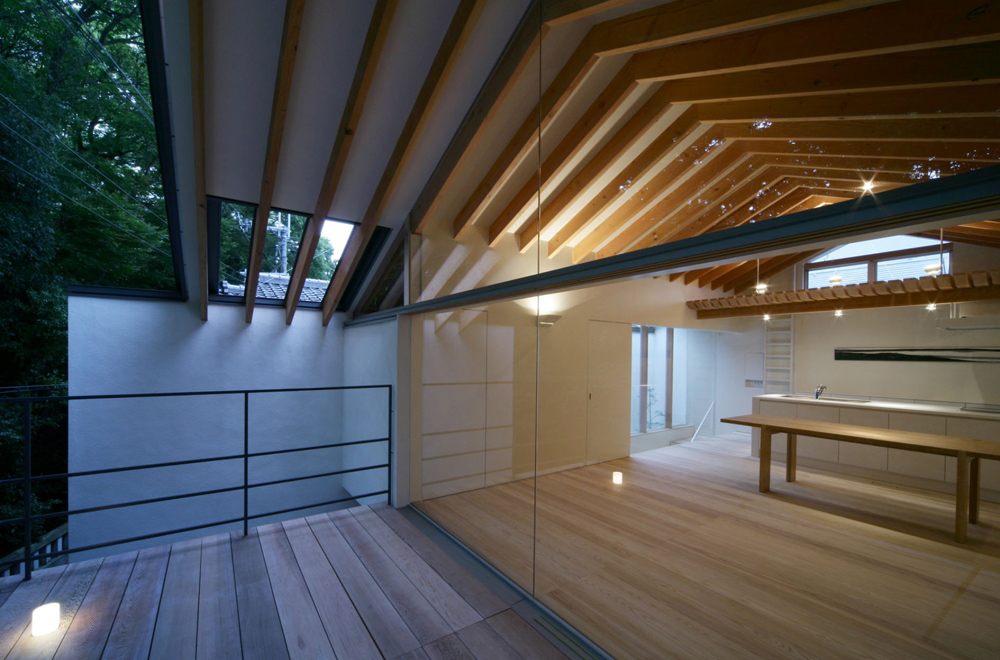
x=931, y=307
x=761, y=287
x=835, y=280
x=867, y=186
x=932, y=269
x=45, y=619
x=616, y=478
x=839, y=312
x=767, y=317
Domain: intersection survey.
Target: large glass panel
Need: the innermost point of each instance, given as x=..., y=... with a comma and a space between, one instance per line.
x=80, y=177
x=916, y=266
x=472, y=434
x=838, y=275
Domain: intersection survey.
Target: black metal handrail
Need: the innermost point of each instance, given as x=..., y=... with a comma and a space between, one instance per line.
x=27, y=478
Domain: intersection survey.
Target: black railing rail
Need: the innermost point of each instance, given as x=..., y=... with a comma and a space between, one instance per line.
x=27, y=478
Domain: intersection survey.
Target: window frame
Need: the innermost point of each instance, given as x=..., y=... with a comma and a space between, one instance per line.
x=872, y=260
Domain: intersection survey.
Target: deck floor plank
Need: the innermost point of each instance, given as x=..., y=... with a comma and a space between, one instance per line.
x=451, y=606
x=346, y=585
x=524, y=639
x=472, y=590
x=15, y=613
x=88, y=633
x=448, y=648
x=347, y=632
x=69, y=592
x=387, y=627
x=425, y=622
x=486, y=644
x=175, y=636
x=132, y=633
x=260, y=627
x=304, y=633
x=218, y=619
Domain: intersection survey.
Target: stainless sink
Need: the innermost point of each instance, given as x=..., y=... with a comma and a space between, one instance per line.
x=810, y=397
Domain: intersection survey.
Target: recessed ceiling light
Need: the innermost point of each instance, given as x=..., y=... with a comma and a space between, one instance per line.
x=867, y=186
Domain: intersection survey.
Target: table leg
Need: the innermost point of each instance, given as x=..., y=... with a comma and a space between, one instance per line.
x=790, y=458
x=765, y=459
x=974, y=490
x=962, y=498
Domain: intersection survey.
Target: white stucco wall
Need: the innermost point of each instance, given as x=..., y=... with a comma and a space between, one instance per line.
x=126, y=346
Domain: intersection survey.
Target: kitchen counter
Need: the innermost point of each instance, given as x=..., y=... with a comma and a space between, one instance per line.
x=945, y=408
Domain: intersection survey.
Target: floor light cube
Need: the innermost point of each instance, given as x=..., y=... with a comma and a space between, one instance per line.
x=616, y=478
x=45, y=619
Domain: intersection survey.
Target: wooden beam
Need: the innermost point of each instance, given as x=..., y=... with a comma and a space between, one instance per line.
x=917, y=170
x=691, y=20
x=970, y=151
x=961, y=237
x=560, y=12
x=610, y=158
x=651, y=171
x=643, y=213
x=979, y=100
x=375, y=39
x=593, y=121
x=513, y=64
x=875, y=130
x=935, y=67
x=196, y=30
x=916, y=25
x=525, y=141
x=675, y=22
x=454, y=41
x=986, y=286
x=711, y=274
x=687, y=202
x=771, y=267
x=279, y=108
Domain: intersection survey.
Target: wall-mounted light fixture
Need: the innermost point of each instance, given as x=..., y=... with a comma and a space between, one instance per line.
x=931, y=307
x=839, y=312
x=548, y=319
x=45, y=619
x=767, y=317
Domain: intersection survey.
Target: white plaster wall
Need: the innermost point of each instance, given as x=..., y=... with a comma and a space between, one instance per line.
x=369, y=359
x=733, y=397
x=817, y=335
x=127, y=346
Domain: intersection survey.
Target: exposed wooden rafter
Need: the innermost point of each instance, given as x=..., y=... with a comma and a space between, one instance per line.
x=378, y=31
x=279, y=109
x=463, y=20
x=940, y=289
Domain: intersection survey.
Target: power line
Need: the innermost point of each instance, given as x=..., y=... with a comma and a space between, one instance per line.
x=71, y=172
x=131, y=97
x=105, y=219
x=82, y=159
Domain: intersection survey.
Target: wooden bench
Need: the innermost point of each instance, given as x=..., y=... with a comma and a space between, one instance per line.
x=967, y=452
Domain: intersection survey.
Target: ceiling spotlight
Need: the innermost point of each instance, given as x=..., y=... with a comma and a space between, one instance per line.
x=867, y=186
x=839, y=312
x=767, y=317
x=835, y=280
x=931, y=307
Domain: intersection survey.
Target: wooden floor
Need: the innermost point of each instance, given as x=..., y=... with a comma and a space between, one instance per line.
x=688, y=560
x=358, y=584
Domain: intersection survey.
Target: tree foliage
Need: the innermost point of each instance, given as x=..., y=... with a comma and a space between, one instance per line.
x=81, y=195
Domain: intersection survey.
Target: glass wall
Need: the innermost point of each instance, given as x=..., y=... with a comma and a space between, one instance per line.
x=574, y=440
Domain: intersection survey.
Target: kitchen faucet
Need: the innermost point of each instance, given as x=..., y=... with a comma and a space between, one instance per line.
x=820, y=390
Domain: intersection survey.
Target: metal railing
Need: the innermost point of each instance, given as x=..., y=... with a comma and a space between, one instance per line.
x=29, y=558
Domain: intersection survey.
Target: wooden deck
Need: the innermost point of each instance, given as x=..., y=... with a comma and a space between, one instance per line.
x=687, y=560
x=357, y=584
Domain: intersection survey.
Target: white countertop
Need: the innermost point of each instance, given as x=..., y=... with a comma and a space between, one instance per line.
x=892, y=405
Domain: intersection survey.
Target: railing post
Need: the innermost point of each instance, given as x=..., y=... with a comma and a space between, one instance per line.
x=389, y=452
x=246, y=458
x=27, y=490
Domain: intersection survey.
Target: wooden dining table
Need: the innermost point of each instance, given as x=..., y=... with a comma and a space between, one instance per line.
x=967, y=451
